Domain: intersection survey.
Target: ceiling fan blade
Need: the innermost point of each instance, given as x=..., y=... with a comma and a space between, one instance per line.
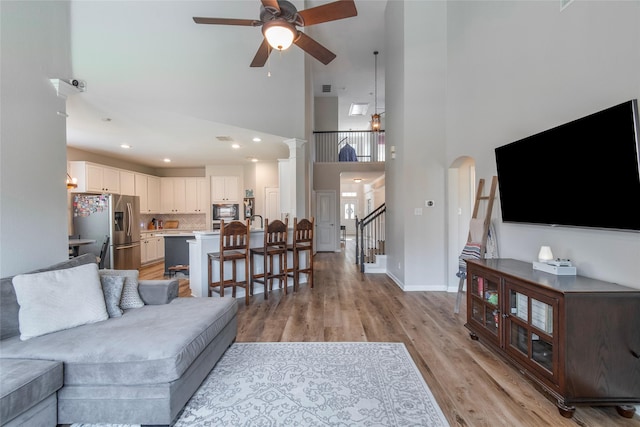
x=227, y=21
x=271, y=4
x=328, y=12
x=314, y=48
x=261, y=55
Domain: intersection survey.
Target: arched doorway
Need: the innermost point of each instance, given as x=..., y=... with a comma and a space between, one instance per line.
x=461, y=193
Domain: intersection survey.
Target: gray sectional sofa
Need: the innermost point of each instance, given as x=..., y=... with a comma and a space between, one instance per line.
x=139, y=368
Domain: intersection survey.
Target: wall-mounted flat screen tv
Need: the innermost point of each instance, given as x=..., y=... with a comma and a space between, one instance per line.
x=584, y=173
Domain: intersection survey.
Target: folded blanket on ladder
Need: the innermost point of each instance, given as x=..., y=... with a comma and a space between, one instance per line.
x=472, y=251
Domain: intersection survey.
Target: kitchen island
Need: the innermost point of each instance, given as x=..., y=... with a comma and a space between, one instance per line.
x=176, y=249
x=209, y=241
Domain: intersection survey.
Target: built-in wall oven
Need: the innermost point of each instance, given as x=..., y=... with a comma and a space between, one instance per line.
x=227, y=212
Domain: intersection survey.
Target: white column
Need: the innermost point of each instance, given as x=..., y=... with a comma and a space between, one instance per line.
x=293, y=180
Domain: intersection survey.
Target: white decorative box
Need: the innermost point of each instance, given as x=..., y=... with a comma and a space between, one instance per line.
x=554, y=269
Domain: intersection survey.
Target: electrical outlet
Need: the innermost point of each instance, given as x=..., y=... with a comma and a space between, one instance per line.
x=429, y=203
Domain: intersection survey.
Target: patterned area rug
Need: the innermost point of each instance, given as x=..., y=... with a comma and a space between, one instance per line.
x=313, y=384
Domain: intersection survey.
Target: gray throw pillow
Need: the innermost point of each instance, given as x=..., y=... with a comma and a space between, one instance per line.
x=112, y=289
x=130, y=297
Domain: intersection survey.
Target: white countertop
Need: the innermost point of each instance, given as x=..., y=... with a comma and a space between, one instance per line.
x=169, y=232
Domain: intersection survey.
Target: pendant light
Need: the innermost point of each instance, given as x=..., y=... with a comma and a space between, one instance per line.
x=375, y=117
x=71, y=182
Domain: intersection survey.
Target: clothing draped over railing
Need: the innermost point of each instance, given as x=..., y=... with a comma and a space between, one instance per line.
x=349, y=146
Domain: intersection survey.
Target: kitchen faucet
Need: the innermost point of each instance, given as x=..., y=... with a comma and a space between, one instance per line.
x=258, y=216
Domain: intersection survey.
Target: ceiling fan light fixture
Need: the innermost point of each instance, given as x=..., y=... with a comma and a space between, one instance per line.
x=279, y=34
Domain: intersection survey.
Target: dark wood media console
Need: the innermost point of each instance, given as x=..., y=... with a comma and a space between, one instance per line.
x=578, y=338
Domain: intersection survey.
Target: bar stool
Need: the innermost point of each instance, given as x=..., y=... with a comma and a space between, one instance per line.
x=234, y=247
x=275, y=244
x=302, y=241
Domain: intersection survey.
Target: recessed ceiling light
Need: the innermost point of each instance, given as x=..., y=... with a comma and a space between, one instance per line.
x=235, y=145
x=256, y=139
x=254, y=160
x=125, y=146
x=357, y=180
x=358, y=108
x=167, y=160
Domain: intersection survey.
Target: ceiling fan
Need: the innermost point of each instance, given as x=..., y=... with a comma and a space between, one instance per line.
x=279, y=19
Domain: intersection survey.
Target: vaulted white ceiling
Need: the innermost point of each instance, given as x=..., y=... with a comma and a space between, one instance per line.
x=168, y=87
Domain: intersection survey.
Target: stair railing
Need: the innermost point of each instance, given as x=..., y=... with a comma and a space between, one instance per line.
x=370, y=238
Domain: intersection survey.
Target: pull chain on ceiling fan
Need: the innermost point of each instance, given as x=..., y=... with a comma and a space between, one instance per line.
x=279, y=20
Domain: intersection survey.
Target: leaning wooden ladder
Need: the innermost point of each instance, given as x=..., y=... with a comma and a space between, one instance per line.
x=485, y=229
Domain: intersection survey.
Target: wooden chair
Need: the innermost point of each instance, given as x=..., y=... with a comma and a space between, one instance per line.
x=275, y=245
x=102, y=258
x=302, y=241
x=234, y=247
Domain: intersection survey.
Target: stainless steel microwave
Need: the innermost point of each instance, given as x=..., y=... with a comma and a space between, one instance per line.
x=228, y=212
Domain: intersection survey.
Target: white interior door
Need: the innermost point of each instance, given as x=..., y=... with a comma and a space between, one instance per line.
x=348, y=214
x=272, y=203
x=326, y=235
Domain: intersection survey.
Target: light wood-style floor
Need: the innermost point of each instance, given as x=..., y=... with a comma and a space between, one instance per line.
x=473, y=386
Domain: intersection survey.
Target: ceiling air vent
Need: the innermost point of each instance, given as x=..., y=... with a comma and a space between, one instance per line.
x=326, y=88
x=224, y=138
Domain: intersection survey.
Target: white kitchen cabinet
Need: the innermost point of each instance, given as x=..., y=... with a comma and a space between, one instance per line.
x=160, y=247
x=224, y=189
x=141, y=192
x=144, y=257
x=147, y=187
x=153, y=194
x=127, y=183
x=172, y=195
x=151, y=247
x=94, y=178
x=197, y=195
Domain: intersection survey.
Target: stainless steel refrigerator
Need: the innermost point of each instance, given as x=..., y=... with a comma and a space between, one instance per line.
x=97, y=216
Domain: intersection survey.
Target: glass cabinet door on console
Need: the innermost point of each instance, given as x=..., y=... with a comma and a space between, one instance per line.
x=530, y=329
x=576, y=337
x=484, y=310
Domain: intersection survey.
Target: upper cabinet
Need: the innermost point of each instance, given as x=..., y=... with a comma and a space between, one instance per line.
x=168, y=195
x=197, y=195
x=127, y=183
x=148, y=189
x=172, y=195
x=224, y=189
x=93, y=178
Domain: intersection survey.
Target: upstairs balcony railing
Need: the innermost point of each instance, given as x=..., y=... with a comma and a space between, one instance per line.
x=349, y=146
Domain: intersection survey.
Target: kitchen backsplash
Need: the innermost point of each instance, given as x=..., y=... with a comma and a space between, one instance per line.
x=189, y=222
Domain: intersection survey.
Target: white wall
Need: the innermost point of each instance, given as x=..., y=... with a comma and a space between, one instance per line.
x=415, y=113
x=33, y=198
x=518, y=68
x=325, y=114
